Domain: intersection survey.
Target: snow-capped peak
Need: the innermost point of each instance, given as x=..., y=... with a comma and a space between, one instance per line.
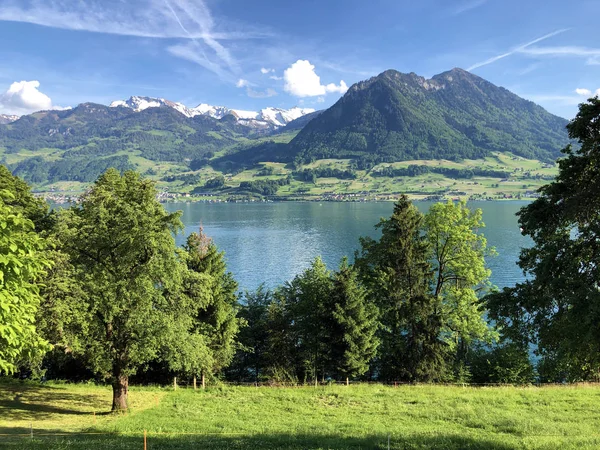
x=7, y=118
x=263, y=119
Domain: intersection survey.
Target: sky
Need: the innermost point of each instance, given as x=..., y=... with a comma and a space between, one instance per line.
x=283, y=53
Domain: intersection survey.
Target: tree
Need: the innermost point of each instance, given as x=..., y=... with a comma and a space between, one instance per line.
x=250, y=360
x=557, y=308
x=397, y=272
x=461, y=277
x=119, y=242
x=427, y=275
x=355, y=322
x=22, y=263
x=23, y=202
x=215, y=300
x=307, y=297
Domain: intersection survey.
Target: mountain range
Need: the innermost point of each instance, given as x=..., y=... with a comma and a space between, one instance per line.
x=390, y=117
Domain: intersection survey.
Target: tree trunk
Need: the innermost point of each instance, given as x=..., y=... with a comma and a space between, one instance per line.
x=120, y=388
x=347, y=382
x=194, y=382
x=203, y=381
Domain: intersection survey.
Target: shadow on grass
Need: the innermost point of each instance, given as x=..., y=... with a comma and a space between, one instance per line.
x=31, y=401
x=263, y=441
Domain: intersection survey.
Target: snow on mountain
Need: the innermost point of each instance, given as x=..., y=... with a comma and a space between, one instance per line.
x=4, y=119
x=268, y=118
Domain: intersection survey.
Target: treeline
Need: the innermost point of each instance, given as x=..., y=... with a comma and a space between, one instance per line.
x=409, y=309
x=415, y=170
x=100, y=290
x=264, y=187
x=311, y=175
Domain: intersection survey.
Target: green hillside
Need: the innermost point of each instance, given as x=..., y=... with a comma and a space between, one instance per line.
x=454, y=115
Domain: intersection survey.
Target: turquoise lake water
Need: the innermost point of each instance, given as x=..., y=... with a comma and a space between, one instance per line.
x=272, y=242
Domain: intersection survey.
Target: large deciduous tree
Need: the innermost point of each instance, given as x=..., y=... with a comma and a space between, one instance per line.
x=118, y=243
x=22, y=262
x=558, y=307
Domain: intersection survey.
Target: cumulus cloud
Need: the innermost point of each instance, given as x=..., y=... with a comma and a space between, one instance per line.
x=587, y=93
x=24, y=97
x=301, y=80
x=265, y=71
x=242, y=83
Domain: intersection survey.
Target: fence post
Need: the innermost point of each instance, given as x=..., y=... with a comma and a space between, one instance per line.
x=203, y=380
x=31, y=429
x=146, y=445
x=194, y=382
x=174, y=383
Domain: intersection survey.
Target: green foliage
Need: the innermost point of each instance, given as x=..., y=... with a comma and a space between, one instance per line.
x=215, y=298
x=21, y=199
x=509, y=363
x=427, y=275
x=215, y=183
x=557, y=308
x=22, y=263
x=264, y=187
x=416, y=170
x=355, y=322
x=38, y=170
x=308, y=313
x=119, y=244
x=455, y=115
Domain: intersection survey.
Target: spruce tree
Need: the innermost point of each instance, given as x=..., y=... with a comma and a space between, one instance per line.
x=355, y=322
x=397, y=272
x=216, y=295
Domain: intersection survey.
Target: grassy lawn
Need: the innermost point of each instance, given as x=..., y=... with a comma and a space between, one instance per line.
x=358, y=416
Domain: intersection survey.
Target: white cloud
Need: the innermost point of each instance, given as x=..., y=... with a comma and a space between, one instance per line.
x=275, y=77
x=587, y=93
x=242, y=83
x=301, y=80
x=265, y=71
x=23, y=97
x=519, y=49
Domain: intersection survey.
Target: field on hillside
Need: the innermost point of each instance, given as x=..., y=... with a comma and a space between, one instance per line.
x=64, y=416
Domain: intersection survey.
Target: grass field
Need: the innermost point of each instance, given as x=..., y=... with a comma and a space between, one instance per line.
x=336, y=417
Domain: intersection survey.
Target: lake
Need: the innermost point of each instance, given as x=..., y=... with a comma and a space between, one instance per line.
x=272, y=242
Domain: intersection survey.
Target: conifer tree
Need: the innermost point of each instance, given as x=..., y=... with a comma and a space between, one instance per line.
x=216, y=318
x=397, y=272
x=355, y=322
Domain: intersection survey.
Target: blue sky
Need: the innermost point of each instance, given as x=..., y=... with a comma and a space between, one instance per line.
x=252, y=54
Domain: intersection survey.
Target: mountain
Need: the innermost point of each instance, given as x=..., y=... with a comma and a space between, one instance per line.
x=454, y=115
x=267, y=119
x=4, y=119
x=77, y=144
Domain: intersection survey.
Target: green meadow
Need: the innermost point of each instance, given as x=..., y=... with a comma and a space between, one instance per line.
x=75, y=416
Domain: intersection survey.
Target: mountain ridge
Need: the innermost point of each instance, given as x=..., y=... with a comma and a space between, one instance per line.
x=269, y=117
x=452, y=115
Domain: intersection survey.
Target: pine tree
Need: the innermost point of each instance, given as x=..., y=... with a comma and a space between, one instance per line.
x=355, y=322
